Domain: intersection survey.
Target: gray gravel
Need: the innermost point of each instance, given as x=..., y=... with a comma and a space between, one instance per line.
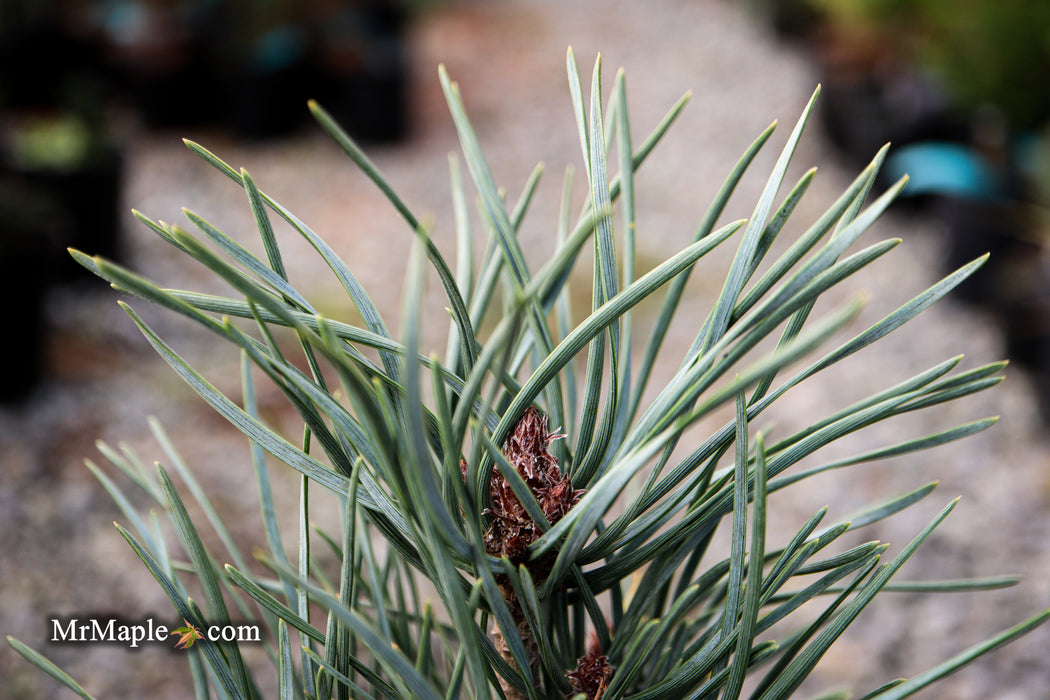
x=62, y=556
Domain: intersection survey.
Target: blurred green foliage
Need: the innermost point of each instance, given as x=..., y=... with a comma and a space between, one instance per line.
x=985, y=51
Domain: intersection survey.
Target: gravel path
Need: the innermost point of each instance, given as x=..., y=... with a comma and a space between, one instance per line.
x=61, y=555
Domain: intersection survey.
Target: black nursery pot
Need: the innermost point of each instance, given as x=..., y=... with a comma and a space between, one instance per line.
x=361, y=66
x=29, y=230
x=976, y=226
x=162, y=61
x=88, y=197
x=43, y=211
x=1026, y=325
x=268, y=92
x=40, y=60
x=267, y=103
x=370, y=103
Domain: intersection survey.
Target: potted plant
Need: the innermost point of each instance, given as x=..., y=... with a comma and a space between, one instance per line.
x=159, y=52
x=265, y=67
x=478, y=552
x=31, y=225
x=72, y=157
x=362, y=67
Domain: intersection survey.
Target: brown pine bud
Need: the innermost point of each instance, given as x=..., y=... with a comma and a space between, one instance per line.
x=512, y=530
x=591, y=676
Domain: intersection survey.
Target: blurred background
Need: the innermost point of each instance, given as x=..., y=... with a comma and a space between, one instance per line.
x=95, y=97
